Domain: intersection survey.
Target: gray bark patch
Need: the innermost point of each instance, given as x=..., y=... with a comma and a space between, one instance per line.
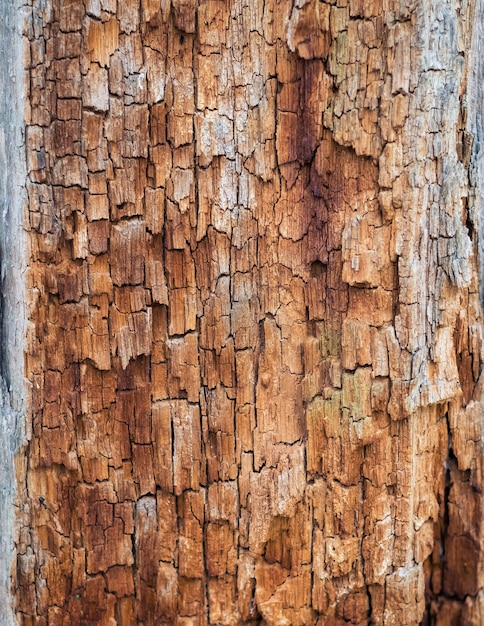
x=12, y=288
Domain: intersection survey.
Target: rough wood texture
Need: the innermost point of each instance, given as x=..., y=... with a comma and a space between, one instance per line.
x=255, y=333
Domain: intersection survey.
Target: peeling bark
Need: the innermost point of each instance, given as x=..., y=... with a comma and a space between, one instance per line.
x=254, y=339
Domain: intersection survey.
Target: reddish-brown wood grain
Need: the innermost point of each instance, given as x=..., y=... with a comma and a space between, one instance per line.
x=254, y=324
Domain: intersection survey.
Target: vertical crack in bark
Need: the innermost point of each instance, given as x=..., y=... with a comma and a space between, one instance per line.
x=438, y=567
x=450, y=463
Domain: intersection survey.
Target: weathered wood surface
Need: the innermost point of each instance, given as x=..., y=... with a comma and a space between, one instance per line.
x=255, y=335
x=13, y=260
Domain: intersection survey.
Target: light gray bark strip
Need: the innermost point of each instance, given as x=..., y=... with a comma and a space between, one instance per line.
x=475, y=122
x=12, y=282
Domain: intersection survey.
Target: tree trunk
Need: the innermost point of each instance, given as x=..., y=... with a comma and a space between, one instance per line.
x=253, y=327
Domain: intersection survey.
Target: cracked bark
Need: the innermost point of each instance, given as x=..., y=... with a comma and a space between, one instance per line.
x=254, y=340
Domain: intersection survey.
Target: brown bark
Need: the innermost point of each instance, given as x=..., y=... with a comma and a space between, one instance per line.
x=254, y=341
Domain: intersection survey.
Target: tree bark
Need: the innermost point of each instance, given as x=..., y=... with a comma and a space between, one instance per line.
x=253, y=332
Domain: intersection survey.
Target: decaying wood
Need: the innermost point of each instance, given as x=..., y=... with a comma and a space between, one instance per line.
x=254, y=342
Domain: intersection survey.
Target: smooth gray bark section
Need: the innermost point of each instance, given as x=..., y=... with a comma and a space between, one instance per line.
x=12, y=283
x=476, y=129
